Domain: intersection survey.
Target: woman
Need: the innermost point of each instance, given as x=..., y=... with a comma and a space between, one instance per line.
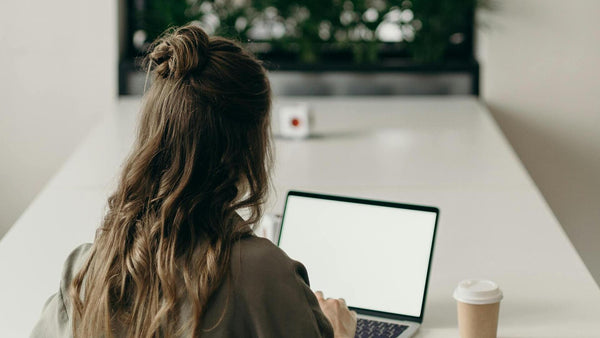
x=172, y=257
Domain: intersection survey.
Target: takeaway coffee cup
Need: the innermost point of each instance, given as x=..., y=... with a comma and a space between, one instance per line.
x=478, y=304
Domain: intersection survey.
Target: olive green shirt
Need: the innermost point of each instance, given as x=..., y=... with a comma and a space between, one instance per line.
x=267, y=294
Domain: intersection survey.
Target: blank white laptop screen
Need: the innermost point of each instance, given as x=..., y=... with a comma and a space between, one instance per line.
x=375, y=257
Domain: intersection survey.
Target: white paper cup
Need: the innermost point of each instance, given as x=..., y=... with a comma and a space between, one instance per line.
x=478, y=305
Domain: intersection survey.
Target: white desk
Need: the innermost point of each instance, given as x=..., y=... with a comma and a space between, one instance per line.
x=446, y=152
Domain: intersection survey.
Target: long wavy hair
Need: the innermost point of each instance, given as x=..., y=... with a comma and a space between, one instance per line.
x=202, y=153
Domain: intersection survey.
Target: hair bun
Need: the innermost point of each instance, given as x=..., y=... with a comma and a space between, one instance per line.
x=178, y=53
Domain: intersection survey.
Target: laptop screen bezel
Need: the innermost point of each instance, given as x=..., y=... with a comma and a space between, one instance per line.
x=389, y=315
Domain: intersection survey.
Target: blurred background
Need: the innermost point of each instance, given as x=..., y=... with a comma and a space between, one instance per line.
x=534, y=63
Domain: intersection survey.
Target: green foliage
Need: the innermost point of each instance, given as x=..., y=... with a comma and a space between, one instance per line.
x=310, y=27
x=440, y=19
x=162, y=14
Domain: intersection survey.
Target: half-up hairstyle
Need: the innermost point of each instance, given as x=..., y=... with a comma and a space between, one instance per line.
x=202, y=152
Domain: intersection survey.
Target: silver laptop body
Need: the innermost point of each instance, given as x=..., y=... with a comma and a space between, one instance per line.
x=374, y=254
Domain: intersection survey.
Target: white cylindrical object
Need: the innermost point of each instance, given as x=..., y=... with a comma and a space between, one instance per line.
x=478, y=307
x=294, y=120
x=476, y=291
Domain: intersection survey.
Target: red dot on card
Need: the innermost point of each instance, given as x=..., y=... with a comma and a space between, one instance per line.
x=295, y=122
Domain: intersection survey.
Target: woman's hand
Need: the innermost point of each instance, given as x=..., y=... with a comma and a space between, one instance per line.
x=342, y=319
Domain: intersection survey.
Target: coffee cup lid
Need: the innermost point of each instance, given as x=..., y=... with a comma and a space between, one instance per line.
x=477, y=291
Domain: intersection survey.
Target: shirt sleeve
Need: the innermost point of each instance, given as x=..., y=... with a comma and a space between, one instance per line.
x=325, y=328
x=55, y=318
x=276, y=299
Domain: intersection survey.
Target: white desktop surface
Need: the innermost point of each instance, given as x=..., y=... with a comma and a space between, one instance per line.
x=442, y=151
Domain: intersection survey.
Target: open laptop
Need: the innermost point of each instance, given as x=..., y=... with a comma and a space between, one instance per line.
x=376, y=255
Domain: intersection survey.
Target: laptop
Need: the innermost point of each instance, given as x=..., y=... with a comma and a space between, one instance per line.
x=374, y=254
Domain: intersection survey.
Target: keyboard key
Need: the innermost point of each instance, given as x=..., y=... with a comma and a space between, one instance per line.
x=366, y=328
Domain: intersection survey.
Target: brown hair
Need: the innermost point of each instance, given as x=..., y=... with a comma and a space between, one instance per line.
x=202, y=152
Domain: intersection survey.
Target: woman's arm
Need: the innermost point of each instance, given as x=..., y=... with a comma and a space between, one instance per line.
x=273, y=296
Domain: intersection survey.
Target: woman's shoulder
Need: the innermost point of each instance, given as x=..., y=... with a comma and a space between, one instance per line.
x=258, y=258
x=75, y=260
x=256, y=251
x=71, y=267
x=56, y=313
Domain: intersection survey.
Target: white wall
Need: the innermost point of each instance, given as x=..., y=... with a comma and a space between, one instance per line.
x=58, y=68
x=541, y=78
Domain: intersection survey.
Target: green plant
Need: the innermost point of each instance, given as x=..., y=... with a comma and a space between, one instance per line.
x=442, y=21
x=424, y=28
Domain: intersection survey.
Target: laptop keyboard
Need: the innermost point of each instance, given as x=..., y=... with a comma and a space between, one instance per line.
x=366, y=328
